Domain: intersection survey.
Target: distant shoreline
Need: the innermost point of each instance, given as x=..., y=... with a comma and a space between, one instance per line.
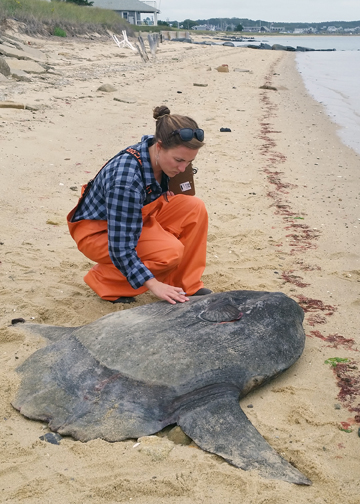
x=278, y=34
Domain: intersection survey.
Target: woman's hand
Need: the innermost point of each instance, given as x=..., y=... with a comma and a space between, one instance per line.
x=167, y=292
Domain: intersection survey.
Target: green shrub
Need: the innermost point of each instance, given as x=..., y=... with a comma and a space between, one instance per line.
x=146, y=28
x=59, y=32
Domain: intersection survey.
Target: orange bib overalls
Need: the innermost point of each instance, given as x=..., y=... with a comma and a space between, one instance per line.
x=172, y=245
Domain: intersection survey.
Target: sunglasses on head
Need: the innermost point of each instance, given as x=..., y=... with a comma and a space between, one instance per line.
x=187, y=134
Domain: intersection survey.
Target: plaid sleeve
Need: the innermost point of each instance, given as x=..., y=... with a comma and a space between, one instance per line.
x=124, y=201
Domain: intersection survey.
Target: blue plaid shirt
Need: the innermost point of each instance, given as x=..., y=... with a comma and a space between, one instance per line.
x=117, y=195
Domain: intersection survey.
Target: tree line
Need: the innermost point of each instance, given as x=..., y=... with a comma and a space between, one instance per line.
x=245, y=22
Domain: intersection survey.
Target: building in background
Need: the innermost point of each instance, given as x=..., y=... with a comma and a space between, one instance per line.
x=130, y=10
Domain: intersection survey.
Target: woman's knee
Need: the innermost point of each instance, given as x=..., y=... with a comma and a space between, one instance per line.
x=174, y=256
x=190, y=205
x=169, y=259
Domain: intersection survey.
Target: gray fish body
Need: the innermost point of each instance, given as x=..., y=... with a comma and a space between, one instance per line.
x=133, y=372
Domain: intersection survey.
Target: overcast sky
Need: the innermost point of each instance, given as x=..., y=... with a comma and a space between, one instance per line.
x=266, y=10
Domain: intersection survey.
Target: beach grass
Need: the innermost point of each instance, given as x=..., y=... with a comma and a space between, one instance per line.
x=152, y=29
x=41, y=17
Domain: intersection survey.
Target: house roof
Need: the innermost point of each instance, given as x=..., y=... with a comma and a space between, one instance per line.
x=124, y=5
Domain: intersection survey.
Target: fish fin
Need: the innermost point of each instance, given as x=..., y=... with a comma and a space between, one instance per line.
x=52, y=333
x=221, y=310
x=218, y=425
x=64, y=385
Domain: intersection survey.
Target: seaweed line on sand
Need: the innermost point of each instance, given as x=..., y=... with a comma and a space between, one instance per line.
x=300, y=239
x=335, y=340
x=288, y=277
x=309, y=304
x=348, y=380
x=303, y=238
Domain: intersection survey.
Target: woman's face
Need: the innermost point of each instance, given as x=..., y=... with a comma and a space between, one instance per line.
x=174, y=161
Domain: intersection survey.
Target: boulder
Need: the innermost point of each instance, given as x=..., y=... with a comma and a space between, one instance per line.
x=106, y=88
x=260, y=46
x=4, y=67
x=304, y=49
x=279, y=47
x=265, y=46
x=222, y=68
x=182, y=39
x=25, y=65
x=21, y=52
x=33, y=53
x=20, y=75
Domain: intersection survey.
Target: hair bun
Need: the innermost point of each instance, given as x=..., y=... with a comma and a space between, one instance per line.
x=160, y=112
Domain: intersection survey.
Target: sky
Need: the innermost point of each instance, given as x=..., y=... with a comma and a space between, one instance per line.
x=304, y=11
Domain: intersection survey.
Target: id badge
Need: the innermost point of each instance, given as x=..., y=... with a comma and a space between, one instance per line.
x=183, y=183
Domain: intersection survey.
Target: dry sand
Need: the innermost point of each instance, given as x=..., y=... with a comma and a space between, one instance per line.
x=283, y=199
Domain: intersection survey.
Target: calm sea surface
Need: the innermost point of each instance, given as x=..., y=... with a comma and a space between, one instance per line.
x=332, y=78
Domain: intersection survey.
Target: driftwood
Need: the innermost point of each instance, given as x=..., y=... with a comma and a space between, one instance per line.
x=142, y=49
x=123, y=43
x=153, y=39
x=10, y=104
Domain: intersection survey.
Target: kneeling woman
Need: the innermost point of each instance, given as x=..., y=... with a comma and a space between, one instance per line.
x=142, y=236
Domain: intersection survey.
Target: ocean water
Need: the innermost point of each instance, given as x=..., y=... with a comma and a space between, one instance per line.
x=332, y=78
x=334, y=81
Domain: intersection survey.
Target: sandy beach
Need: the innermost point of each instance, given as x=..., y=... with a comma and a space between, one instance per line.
x=282, y=194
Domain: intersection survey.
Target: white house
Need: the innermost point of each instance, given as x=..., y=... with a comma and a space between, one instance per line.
x=130, y=10
x=201, y=27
